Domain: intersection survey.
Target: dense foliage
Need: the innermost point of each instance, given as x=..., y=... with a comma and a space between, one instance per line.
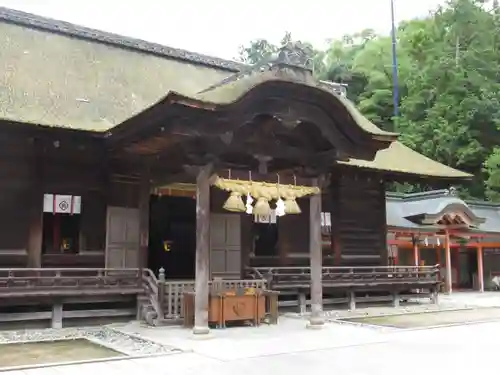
x=449, y=84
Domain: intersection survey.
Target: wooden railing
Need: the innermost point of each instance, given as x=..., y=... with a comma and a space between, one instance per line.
x=159, y=299
x=152, y=296
x=347, y=277
x=25, y=282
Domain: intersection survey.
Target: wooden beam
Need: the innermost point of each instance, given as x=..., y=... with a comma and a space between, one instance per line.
x=202, y=250
x=287, y=179
x=316, y=258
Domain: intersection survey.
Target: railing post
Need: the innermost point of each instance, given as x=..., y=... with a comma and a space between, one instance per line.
x=161, y=287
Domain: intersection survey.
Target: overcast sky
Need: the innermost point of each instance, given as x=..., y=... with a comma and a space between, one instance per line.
x=218, y=27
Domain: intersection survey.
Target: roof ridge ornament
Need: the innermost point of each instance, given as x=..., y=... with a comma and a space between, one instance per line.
x=296, y=54
x=452, y=191
x=292, y=54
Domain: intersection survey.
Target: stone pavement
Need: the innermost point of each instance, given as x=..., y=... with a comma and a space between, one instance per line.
x=293, y=349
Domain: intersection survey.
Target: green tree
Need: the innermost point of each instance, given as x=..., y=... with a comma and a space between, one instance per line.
x=449, y=84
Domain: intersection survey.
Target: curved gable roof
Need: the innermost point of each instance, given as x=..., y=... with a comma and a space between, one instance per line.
x=230, y=92
x=426, y=209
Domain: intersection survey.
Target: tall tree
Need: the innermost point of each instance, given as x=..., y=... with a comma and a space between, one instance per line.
x=449, y=69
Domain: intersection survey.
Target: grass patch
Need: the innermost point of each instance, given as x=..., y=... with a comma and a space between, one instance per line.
x=430, y=319
x=46, y=352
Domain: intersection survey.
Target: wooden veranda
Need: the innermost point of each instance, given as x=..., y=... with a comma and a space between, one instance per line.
x=160, y=301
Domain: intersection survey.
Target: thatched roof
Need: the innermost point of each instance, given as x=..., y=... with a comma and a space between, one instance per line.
x=401, y=159
x=230, y=92
x=58, y=74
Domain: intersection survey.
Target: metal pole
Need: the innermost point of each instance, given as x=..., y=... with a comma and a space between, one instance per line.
x=395, y=80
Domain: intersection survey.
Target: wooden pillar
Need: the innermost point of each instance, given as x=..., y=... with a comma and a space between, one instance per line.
x=438, y=255
x=316, y=260
x=336, y=246
x=448, y=278
x=35, y=231
x=57, y=315
x=144, y=201
x=202, y=250
x=416, y=255
x=480, y=268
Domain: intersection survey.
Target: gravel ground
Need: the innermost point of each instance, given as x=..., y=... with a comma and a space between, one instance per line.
x=432, y=319
x=378, y=310
x=458, y=308
x=125, y=343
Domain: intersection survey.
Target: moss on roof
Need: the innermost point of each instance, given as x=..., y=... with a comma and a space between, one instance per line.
x=230, y=92
x=399, y=158
x=58, y=80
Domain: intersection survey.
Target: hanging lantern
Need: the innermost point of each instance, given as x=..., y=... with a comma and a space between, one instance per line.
x=280, y=207
x=235, y=203
x=438, y=242
x=248, y=205
x=262, y=207
x=426, y=241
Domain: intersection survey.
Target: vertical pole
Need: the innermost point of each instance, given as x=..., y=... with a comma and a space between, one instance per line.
x=480, y=268
x=448, y=279
x=202, y=250
x=316, y=259
x=395, y=78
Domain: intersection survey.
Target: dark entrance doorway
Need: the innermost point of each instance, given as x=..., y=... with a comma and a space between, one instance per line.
x=265, y=239
x=172, y=236
x=467, y=269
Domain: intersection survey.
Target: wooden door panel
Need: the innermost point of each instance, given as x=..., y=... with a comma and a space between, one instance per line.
x=122, y=237
x=225, y=245
x=233, y=261
x=233, y=231
x=114, y=257
x=218, y=261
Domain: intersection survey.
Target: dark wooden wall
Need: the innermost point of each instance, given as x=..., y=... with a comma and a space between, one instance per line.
x=66, y=162
x=359, y=219
x=36, y=161
x=16, y=171
x=356, y=203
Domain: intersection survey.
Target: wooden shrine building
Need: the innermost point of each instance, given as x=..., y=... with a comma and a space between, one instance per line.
x=437, y=227
x=105, y=140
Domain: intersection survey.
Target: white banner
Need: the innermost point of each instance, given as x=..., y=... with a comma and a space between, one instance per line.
x=62, y=204
x=266, y=219
x=326, y=219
